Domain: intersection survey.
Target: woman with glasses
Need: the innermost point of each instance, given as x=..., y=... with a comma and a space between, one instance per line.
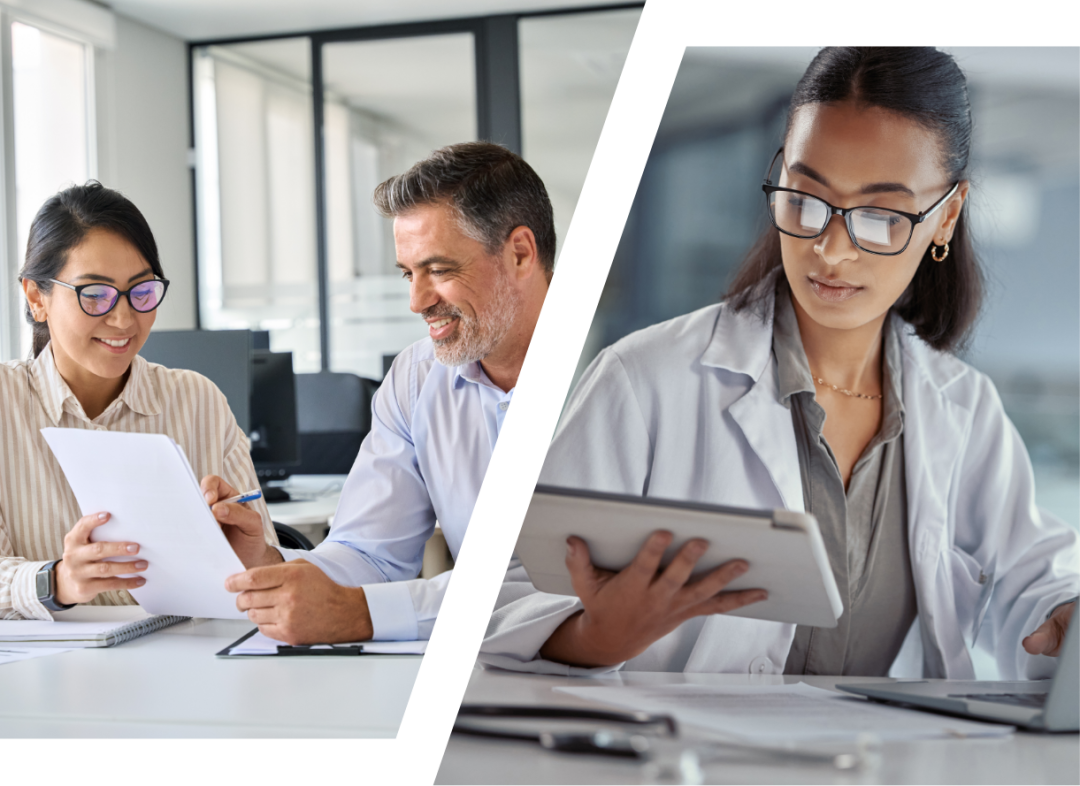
x=93, y=281
x=825, y=382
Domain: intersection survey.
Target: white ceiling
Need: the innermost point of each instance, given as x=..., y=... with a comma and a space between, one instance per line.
x=209, y=19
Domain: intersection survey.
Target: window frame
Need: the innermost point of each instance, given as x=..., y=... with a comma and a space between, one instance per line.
x=497, y=81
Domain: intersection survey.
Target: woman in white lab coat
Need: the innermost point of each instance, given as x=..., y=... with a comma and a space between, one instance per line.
x=824, y=382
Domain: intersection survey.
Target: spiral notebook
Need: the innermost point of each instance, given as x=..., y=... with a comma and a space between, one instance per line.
x=86, y=626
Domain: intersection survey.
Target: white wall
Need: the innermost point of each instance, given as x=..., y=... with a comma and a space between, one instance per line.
x=142, y=122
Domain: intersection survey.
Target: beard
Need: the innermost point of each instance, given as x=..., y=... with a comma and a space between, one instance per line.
x=477, y=336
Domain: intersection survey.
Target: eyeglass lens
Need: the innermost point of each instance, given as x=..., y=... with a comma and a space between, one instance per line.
x=874, y=229
x=98, y=299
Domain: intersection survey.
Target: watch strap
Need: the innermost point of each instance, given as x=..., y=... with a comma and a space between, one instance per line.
x=47, y=593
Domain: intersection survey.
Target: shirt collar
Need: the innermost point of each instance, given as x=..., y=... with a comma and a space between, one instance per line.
x=139, y=394
x=792, y=367
x=474, y=373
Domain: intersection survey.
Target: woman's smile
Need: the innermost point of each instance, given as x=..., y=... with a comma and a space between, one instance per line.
x=117, y=345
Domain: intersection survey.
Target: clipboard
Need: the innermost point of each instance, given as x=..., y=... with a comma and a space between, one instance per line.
x=371, y=648
x=784, y=548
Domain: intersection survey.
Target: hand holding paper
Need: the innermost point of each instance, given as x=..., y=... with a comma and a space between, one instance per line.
x=242, y=526
x=145, y=483
x=86, y=569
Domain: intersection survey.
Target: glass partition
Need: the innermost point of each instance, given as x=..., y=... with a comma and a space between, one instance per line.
x=388, y=103
x=570, y=66
x=255, y=177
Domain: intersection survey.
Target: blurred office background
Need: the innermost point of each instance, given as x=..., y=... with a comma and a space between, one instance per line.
x=252, y=136
x=208, y=115
x=700, y=206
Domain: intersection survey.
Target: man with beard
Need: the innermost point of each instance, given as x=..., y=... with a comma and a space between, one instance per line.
x=475, y=238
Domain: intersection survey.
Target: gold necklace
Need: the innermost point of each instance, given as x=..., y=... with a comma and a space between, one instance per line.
x=845, y=391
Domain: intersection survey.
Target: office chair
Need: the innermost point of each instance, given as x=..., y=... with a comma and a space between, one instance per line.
x=291, y=538
x=333, y=417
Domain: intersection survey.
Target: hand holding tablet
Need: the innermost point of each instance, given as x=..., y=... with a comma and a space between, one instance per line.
x=627, y=611
x=690, y=551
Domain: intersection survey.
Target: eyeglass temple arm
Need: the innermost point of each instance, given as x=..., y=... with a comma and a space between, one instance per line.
x=772, y=163
x=933, y=208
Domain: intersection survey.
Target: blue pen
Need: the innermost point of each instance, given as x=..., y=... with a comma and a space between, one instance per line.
x=247, y=496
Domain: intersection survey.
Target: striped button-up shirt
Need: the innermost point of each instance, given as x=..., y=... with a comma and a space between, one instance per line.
x=38, y=508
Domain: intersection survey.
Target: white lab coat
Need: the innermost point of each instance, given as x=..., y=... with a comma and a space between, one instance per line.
x=689, y=409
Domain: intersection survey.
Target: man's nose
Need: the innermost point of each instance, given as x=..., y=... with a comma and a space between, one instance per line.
x=834, y=244
x=422, y=295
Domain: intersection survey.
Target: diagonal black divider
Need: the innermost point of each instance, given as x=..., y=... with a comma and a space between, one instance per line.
x=586, y=255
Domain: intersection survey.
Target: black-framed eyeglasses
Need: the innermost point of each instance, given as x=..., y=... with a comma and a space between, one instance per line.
x=876, y=230
x=97, y=300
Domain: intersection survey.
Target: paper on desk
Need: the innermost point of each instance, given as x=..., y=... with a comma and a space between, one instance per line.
x=146, y=483
x=10, y=654
x=784, y=713
x=260, y=644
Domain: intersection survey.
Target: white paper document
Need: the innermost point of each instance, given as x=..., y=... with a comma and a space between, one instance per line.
x=10, y=654
x=260, y=644
x=147, y=485
x=784, y=713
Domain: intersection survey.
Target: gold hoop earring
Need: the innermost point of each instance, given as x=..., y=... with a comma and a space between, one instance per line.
x=944, y=253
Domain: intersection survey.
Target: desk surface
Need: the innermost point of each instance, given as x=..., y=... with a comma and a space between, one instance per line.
x=169, y=684
x=1021, y=758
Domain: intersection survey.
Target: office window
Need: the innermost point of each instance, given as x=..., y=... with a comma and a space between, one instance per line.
x=570, y=66
x=388, y=104
x=51, y=78
x=256, y=193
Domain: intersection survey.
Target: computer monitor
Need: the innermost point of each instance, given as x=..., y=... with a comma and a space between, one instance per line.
x=275, y=447
x=223, y=356
x=259, y=386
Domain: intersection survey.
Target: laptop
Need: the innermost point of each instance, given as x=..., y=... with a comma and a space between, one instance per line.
x=1045, y=705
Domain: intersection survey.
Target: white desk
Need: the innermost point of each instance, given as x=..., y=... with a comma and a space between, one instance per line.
x=169, y=684
x=1022, y=758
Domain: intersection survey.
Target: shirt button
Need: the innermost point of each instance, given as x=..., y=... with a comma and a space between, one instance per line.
x=503, y=405
x=761, y=665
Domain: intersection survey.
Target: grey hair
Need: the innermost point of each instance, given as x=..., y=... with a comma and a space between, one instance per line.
x=490, y=190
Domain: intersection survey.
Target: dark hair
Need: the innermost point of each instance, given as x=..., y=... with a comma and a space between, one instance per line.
x=64, y=221
x=927, y=86
x=492, y=191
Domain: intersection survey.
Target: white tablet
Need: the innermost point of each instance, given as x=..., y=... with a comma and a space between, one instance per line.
x=784, y=548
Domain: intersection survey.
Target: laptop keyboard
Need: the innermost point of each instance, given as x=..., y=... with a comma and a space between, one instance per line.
x=1034, y=700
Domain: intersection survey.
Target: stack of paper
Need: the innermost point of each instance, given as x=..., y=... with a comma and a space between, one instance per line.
x=147, y=485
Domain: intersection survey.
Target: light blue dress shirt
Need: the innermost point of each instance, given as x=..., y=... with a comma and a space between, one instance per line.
x=433, y=429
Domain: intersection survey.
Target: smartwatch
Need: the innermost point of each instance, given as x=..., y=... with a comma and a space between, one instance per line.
x=46, y=588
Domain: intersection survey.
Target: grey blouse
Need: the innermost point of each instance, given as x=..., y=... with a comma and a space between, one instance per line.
x=864, y=528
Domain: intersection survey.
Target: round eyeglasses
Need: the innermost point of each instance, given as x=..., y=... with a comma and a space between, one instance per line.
x=876, y=230
x=97, y=300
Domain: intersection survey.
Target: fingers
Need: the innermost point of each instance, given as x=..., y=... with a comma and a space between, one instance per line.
x=584, y=576
x=714, y=581
x=215, y=488
x=252, y=600
x=263, y=578
x=1046, y=640
x=678, y=572
x=240, y=516
x=730, y=601
x=80, y=533
x=647, y=561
